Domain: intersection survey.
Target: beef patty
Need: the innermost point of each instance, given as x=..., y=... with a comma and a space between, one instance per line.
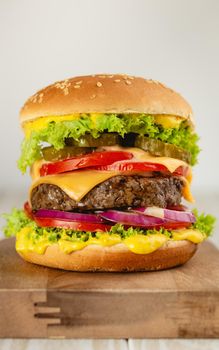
x=116, y=192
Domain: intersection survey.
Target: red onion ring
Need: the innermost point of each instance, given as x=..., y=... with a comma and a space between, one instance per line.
x=70, y=216
x=167, y=214
x=132, y=219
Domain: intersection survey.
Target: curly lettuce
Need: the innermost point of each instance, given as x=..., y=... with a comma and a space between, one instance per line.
x=56, y=133
x=18, y=220
x=204, y=223
x=15, y=221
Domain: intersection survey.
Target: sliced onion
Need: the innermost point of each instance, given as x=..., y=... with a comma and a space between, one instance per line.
x=66, y=215
x=167, y=214
x=132, y=219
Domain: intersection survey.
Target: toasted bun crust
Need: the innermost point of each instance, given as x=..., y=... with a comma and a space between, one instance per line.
x=105, y=94
x=114, y=259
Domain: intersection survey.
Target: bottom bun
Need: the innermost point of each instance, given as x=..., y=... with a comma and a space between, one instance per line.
x=116, y=258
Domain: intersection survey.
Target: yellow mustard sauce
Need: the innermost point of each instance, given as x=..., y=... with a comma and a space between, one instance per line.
x=138, y=244
x=105, y=240
x=170, y=121
x=192, y=235
x=25, y=244
x=42, y=122
x=141, y=244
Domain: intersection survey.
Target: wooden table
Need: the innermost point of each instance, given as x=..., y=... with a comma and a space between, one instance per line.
x=39, y=302
x=56, y=278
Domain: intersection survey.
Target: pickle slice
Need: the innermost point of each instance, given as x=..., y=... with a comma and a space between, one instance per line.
x=105, y=139
x=162, y=149
x=51, y=154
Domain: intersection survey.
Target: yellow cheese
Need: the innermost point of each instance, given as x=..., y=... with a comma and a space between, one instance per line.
x=138, y=244
x=186, y=192
x=35, y=168
x=77, y=184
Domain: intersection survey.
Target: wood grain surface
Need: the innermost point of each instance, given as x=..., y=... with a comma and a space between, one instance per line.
x=42, y=302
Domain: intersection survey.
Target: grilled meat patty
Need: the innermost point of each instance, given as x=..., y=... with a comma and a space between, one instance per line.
x=117, y=192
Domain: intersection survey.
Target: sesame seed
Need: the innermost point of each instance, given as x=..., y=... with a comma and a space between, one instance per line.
x=76, y=86
x=110, y=76
x=99, y=84
x=128, y=82
x=117, y=80
x=40, y=98
x=102, y=76
x=156, y=82
x=164, y=86
x=78, y=82
x=132, y=78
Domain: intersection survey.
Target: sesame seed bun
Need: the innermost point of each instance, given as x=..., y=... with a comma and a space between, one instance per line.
x=116, y=258
x=105, y=94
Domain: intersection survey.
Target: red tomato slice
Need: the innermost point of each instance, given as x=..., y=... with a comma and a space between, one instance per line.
x=133, y=166
x=141, y=166
x=72, y=225
x=175, y=225
x=181, y=171
x=93, y=227
x=90, y=160
x=28, y=210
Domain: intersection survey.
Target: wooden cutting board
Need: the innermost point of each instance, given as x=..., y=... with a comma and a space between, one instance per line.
x=37, y=302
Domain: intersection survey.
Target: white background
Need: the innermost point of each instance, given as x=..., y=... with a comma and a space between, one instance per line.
x=174, y=41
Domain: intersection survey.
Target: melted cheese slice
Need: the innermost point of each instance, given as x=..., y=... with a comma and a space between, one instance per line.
x=77, y=184
x=138, y=244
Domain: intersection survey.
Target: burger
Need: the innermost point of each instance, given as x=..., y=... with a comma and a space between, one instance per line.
x=110, y=157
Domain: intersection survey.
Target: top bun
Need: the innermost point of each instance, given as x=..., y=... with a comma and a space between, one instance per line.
x=105, y=94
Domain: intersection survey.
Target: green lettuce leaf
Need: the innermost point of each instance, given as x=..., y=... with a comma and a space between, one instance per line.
x=15, y=221
x=56, y=133
x=204, y=223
